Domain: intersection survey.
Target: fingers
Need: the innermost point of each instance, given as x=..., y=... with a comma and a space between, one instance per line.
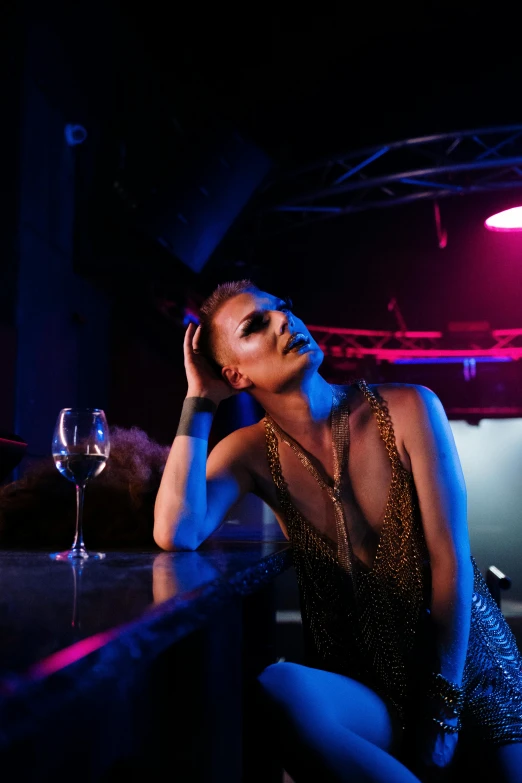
x=190, y=342
x=195, y=339
x=187, y=340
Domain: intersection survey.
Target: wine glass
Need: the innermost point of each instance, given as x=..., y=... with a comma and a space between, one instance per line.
x=81, y=447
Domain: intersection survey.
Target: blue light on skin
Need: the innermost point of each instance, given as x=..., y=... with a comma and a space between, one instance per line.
x=247, y=407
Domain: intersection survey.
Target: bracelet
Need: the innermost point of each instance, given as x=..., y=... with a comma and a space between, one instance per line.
x=447, y=727
x=451, y=695
x=193, y=425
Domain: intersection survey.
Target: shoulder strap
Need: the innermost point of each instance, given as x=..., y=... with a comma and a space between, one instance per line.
x=273, y=456
x=341, y=441
x=296, y=448
x=384, y=422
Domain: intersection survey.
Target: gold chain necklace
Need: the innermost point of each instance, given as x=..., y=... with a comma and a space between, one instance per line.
x=340, y=445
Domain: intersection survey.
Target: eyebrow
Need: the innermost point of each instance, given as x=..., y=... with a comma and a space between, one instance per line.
x=250, y=315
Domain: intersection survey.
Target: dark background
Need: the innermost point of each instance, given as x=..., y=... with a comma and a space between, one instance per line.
x=156, y=87
x=93, y=307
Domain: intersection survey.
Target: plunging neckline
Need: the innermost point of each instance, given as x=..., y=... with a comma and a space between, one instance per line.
x=325, y=482
x=339, y=461
x=364, y=567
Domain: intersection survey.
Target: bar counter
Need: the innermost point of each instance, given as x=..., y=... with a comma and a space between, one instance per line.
x=138, y=664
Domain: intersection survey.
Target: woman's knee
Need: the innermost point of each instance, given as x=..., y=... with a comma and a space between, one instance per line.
x=280, y=679
x=276, y=673
x=300, y=693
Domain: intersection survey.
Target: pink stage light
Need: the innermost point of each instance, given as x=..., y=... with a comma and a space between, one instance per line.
x=508, y=220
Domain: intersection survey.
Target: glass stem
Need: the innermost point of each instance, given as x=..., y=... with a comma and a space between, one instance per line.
x=78, y=538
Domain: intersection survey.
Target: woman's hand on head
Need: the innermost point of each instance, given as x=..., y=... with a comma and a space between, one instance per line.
x=202, y=378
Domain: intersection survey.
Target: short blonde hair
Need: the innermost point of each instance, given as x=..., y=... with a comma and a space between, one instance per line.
x=210, y=344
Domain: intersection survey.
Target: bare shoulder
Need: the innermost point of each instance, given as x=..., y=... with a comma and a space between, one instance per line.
x=242, y=445
x=416, y=412
x=406, y=398
x=404, y=401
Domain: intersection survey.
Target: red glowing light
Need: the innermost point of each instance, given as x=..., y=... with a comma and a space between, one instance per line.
x=508, y=220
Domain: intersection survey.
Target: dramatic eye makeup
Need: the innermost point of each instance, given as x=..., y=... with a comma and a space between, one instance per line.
x=260, y=318
x=253, y=323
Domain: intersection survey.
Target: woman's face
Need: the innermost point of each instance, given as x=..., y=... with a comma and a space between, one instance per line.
x=269, y=347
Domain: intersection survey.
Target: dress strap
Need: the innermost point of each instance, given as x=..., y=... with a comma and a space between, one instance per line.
x=340, y=445
x=287, y=439
x=384, y=422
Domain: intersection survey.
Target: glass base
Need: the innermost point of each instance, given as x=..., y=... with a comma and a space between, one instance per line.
x=78, y=555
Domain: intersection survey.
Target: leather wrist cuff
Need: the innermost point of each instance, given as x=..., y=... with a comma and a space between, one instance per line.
x=196, y=417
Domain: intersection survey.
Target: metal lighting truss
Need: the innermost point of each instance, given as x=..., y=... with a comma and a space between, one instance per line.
x=430, y=167
x=500, y=345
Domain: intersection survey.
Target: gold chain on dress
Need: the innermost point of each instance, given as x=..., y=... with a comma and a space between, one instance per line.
x=364, y=623
x=375, y=621
x=340, y=445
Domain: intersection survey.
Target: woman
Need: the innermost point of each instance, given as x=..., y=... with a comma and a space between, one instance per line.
x=410, y=662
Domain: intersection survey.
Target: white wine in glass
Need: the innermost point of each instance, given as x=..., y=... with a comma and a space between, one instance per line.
x=81, y=447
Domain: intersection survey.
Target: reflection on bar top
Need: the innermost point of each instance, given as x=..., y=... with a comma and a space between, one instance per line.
x=46, y=606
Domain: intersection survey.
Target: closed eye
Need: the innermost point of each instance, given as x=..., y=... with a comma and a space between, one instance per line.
x=261, y=319
x=254, y=324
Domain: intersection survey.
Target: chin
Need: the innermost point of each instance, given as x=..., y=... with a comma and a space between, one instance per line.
x=308, y=363
x=315, y=357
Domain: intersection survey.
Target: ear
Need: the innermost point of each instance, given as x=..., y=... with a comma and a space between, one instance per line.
x=235, y=379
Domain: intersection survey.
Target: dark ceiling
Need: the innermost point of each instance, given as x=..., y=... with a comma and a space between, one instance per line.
x=303, y=84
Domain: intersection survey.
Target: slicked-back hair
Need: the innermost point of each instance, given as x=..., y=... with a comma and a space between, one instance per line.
x=209, y=344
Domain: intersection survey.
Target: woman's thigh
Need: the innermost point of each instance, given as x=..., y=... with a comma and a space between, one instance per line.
x=310, y=696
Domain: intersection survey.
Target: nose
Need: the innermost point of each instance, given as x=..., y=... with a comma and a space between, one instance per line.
x=286, y=322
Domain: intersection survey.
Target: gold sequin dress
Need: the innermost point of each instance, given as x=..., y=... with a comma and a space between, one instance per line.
x=373, y=624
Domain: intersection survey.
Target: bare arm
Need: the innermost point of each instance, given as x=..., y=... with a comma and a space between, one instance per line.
x=441, y=492
x=443, y=505
x=194, y=497
x=190, y=504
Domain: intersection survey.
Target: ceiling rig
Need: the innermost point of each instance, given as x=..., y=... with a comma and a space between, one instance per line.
x=428, y=167
x=465, y=343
